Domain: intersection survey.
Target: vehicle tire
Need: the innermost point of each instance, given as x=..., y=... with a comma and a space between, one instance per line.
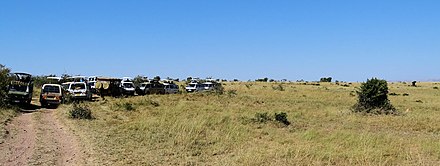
x=43, y=104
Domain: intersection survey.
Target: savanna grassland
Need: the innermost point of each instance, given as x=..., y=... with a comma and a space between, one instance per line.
x=211, y=129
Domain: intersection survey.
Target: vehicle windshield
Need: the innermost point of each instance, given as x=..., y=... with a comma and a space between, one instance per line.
x=192, y=85
x=128, y=85
x=20, y=88
x=66, y=86
x=143, y=85
x=78, y=86
x=51, y=89
x=21, y=77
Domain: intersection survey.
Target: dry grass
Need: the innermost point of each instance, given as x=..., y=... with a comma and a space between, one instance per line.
x=202, y=129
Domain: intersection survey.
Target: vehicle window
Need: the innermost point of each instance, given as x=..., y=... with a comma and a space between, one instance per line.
x=192, y=85
x=78, y=86
x=128, y=85
x=51, y=89
x=66, y=86
x=143, y=85
x=21, y=88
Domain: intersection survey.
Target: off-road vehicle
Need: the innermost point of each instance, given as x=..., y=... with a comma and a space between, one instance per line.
x=51, y=94
x=21, y=87
x=170, y=87
x=152, y=87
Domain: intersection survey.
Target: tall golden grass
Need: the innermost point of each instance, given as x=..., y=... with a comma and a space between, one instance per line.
x=209, y=129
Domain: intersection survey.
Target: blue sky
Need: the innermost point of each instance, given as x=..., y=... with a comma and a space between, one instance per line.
x=347, y=40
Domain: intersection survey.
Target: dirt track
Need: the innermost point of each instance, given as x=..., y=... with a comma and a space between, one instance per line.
x=38, y=138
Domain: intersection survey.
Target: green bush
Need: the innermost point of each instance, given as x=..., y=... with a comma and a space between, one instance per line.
x=282, y=118
x=128, y=106
x=262, y=117
x=4, y=82
x=265, y=117
x=373, y=98
x=326, y=79
x=80, y=111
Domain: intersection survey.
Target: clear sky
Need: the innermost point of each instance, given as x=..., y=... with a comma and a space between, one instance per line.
x=349, y=40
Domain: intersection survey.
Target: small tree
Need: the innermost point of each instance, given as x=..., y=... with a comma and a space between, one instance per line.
x=324, y=79
x=373, y=98
x=157, y=78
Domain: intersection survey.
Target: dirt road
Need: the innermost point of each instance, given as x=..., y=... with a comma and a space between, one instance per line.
x=38, y=138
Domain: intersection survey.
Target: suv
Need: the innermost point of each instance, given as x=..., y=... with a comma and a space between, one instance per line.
x=128, y=88
x=153, y=87
x=211, y=86
x=80, y=90
x=171, y=88
x=51, y=94
x=194, y=87
x=20, y=89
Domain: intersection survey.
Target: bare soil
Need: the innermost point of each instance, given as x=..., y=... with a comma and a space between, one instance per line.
x=38, y=138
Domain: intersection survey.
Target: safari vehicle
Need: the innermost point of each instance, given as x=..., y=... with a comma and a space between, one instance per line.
x=170, y=87
x=51, y=94
x=152, y=87
x=127, y=86
x=80, y=91
x=21, y=87
x=107, y=86
x=194, y=87
x=211, y=86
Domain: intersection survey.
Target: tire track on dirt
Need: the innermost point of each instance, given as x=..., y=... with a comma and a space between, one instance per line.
x=39, y=138
x=19, y=145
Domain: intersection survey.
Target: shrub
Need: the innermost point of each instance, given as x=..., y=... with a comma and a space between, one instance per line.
x=282, y=118
x=373, y=98
x=126, y=106
x=4, y=82
x=326, y=79
x=262, y=79
x=265, y=117
x=262, y=117
x=80, y=111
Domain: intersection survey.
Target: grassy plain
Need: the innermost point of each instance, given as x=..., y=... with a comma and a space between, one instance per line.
x=209, y=129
